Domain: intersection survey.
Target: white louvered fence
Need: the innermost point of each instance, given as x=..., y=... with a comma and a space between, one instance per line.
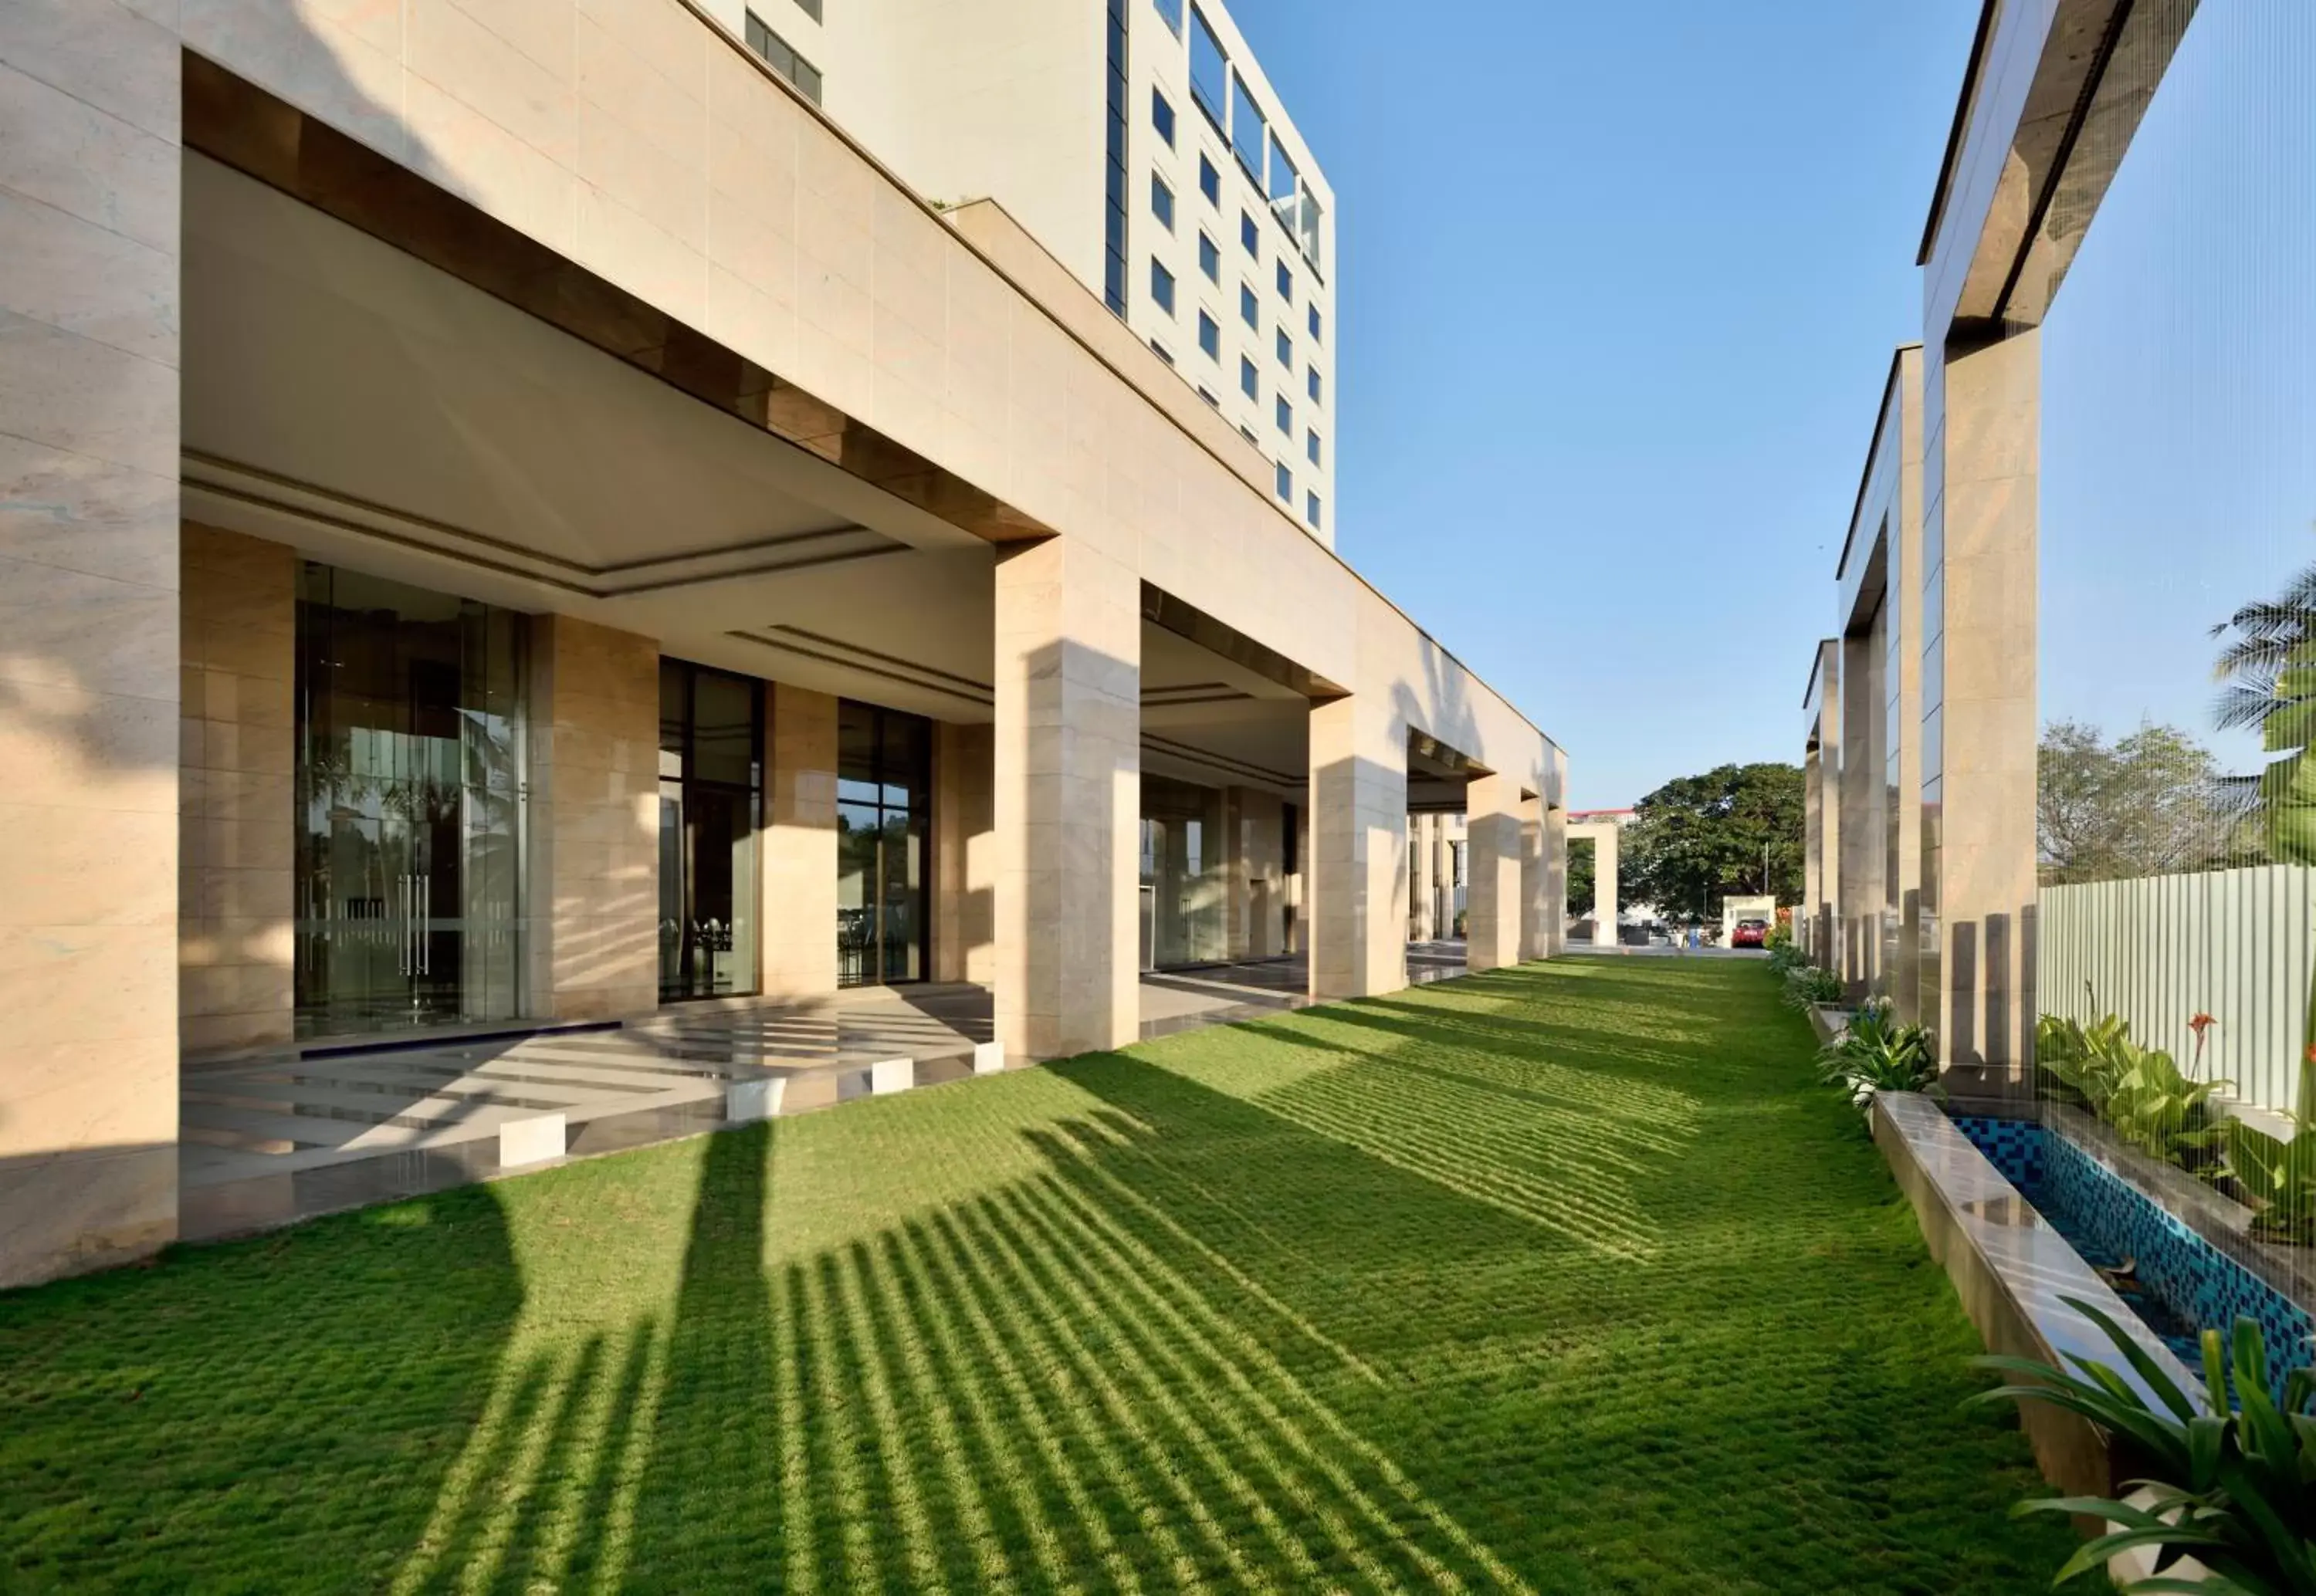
x=2236, y=944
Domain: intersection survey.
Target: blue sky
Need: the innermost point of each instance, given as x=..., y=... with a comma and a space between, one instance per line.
x=2179, y=382
x=1618, y=284
x=1618, y=288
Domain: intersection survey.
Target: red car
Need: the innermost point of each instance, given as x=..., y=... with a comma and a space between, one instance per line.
x=1749, y=934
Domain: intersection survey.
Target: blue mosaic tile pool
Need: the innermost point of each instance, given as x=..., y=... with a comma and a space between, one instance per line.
x=2188, y=1284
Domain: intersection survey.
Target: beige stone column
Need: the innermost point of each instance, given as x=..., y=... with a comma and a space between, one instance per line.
x=1605, y=901
x=1492, y=833
x=1255, y=884
x=1812, y=849
x=1068, y=786
x=594, y=821
x=798, y=844
x=237, y=646
x=1353, y=895
x=1535, y=880
x=1862, y=845
x=1422, y=875
x=90, y=181
x=965, y=855
x=1902, y=715
x=1979, y=710
x=1555, y=856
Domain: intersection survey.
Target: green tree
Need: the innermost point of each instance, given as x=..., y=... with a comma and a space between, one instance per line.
x=2268, y=669
x=1581, y=858
x=1693, y=841
x=2145, y=804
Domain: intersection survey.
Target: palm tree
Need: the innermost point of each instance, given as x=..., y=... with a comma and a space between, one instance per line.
x=2268, y=668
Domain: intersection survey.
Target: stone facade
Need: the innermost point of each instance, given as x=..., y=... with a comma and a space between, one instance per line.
x=965, y=854
x=1067, y=782
x=798, y=849
x=594, y=818
x=236, y=776
x=630, y=177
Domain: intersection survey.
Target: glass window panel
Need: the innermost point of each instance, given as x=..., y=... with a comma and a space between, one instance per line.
x=1210, y=70
x=724, y=728
x=1211, y=181
x=1170, y=12
x=1210, y=259
x=1210, y=336
x=1248, y=130
x=408, y=803
x=1161, y=117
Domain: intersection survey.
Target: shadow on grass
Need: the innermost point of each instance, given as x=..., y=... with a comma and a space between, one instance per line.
x=319, y=1383
x=1375, y=1304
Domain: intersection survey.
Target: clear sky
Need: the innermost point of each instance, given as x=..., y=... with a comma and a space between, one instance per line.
x=1618, y=288
x=2179, y=382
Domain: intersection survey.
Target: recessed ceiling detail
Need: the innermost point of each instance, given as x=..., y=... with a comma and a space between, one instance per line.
x=234, y=483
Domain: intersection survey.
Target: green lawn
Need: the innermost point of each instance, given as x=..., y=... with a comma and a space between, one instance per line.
x=1559, y=1279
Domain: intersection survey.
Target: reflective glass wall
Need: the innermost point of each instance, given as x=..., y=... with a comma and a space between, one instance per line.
x=711, y=785
x=2175, y=786
x=1181, y=874
x=409, y=799
x=884, y=816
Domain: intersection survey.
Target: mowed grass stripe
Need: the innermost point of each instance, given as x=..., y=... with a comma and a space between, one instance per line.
x=1563, y=1278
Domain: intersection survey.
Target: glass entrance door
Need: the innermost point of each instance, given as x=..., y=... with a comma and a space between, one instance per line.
x=710, y=796
x=884, y=810
x=409, y=796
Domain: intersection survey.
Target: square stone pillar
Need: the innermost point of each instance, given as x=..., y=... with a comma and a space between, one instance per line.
x=238, y=647
x=1555, y=854
x=89, y=191
x=1492, y=907
x=1863, y=843
x=1979, y=710
x=594, y=821
x=1255, y=878
x=1536, y=881
x=798, y=914
x=1605, y=904
x=1354, y=895
x=1067, y=799
x=1422, y=875
x=965, y=855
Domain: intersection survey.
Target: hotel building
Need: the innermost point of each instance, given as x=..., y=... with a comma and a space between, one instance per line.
x=533, y=514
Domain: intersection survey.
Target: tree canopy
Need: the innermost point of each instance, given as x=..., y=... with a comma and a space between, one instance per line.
x=1697, y=839
x=2142, y=805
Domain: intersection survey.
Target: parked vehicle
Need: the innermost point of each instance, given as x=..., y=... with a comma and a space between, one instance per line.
x=1749, y=934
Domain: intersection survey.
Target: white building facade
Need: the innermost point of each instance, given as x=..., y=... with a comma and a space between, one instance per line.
x=1140, y=144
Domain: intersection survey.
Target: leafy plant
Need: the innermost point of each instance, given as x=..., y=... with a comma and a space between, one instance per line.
x=2236, y=1491
x=1878, y=1054
x=1785, y=957
x=1806, y=985
x=2277, y=1176
x=2138, y=1090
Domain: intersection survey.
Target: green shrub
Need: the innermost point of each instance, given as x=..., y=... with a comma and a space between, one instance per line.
x=2235, y=1490
x=2277, y=1176
x=1807, y=986
x=2138, y=1090
x=1878, y=1054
